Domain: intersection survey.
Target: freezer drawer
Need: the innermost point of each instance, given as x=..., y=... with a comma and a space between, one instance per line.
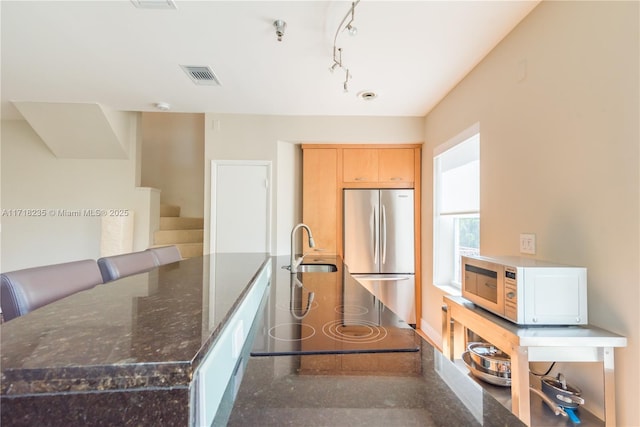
x=396, y=291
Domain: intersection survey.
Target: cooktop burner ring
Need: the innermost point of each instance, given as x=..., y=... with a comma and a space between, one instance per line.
x=370, y=331
x=310, y=331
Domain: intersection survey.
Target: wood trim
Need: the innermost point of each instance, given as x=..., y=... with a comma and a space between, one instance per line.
x=399, y=184
x=417, y=199
x=339, y=207
x=320, y=145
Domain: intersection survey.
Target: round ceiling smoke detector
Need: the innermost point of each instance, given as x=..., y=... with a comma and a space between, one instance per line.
x=163, y=106
x=367, y=95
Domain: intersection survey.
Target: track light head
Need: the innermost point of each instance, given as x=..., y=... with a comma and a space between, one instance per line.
x=280, y=26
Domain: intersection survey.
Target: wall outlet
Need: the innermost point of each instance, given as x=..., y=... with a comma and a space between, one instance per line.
x=528, y=244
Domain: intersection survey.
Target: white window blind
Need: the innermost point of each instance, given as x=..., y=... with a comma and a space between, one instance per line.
x=457, y=208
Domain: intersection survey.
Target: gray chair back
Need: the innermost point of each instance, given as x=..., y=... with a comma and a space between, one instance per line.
x=166, y=254
x=117, y=266
x=22, y=291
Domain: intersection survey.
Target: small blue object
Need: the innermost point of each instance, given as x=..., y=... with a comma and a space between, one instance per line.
x=572, y=415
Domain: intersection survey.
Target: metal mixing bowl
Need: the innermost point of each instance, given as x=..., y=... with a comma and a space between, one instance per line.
x=490, y=358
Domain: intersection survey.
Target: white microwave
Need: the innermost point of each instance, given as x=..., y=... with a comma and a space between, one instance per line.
x=526, y=291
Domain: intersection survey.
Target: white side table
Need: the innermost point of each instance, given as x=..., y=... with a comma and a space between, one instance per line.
x=532, y=344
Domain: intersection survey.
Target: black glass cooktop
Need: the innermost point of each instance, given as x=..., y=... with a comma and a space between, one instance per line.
x=326, y=313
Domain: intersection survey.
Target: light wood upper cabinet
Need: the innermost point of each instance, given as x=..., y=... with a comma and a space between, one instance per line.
x=360, y=165
x=396, y=165
x=320, y=197
x=378, y=165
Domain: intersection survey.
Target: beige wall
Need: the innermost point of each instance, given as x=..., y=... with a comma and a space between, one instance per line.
x=172, y=152
x=254, y=137
x=33, y=178
x=557, y=106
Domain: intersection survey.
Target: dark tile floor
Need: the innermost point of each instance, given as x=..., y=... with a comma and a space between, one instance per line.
x=275, y=393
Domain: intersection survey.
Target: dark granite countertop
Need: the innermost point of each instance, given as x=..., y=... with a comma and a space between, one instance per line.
x=356, y=389
x=144, y=335
x=144, y=331
x=384, y=389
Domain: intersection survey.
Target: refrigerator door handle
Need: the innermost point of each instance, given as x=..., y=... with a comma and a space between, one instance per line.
x=384, y=235
x=376, y=235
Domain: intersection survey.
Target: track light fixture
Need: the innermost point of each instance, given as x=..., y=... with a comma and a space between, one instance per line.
x=337, y=51
x=280, y=26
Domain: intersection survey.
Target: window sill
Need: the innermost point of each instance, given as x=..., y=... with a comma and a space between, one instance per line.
x=449, y=290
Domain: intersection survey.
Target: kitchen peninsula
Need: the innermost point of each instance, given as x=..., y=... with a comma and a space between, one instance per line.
x=128, y=352
x=133, y=352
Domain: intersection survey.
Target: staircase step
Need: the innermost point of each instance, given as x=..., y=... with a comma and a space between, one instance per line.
x=181, y=223
x=169, y=237
x=190, y=250
x=169, y=210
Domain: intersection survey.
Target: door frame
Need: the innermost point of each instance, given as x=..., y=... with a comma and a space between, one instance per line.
x=214, y=185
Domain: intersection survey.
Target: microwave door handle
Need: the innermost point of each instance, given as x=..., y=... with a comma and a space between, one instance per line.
x=491, y=285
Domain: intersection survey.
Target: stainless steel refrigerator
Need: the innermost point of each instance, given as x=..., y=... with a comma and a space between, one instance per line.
x=379, y=245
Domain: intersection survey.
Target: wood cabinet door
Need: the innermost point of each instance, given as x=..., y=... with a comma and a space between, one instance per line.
x=360, y=165
x=396, y=165
x=319, y=197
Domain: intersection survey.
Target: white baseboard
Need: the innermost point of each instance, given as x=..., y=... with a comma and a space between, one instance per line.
x=433, y=334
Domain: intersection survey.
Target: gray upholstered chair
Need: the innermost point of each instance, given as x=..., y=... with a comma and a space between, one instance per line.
x=22, y=291
x=166, y=254
x=117, y=266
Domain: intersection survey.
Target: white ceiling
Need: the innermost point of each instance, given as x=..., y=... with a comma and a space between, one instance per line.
x=411, y=53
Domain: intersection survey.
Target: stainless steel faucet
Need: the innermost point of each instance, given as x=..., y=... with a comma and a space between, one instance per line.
x=293, y=267
x=295, y=286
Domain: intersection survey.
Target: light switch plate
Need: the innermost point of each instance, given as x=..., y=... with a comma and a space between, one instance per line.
x=528, y=244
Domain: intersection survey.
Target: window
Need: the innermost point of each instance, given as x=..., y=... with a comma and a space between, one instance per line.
x=457, y=207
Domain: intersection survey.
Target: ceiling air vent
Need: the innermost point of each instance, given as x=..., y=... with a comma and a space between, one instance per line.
x=154, y=4
x=201, y=75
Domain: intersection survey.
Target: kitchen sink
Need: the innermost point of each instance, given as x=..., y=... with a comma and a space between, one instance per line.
x=317, y=268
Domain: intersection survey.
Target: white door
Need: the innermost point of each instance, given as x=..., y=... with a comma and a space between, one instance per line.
x=240, y=206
